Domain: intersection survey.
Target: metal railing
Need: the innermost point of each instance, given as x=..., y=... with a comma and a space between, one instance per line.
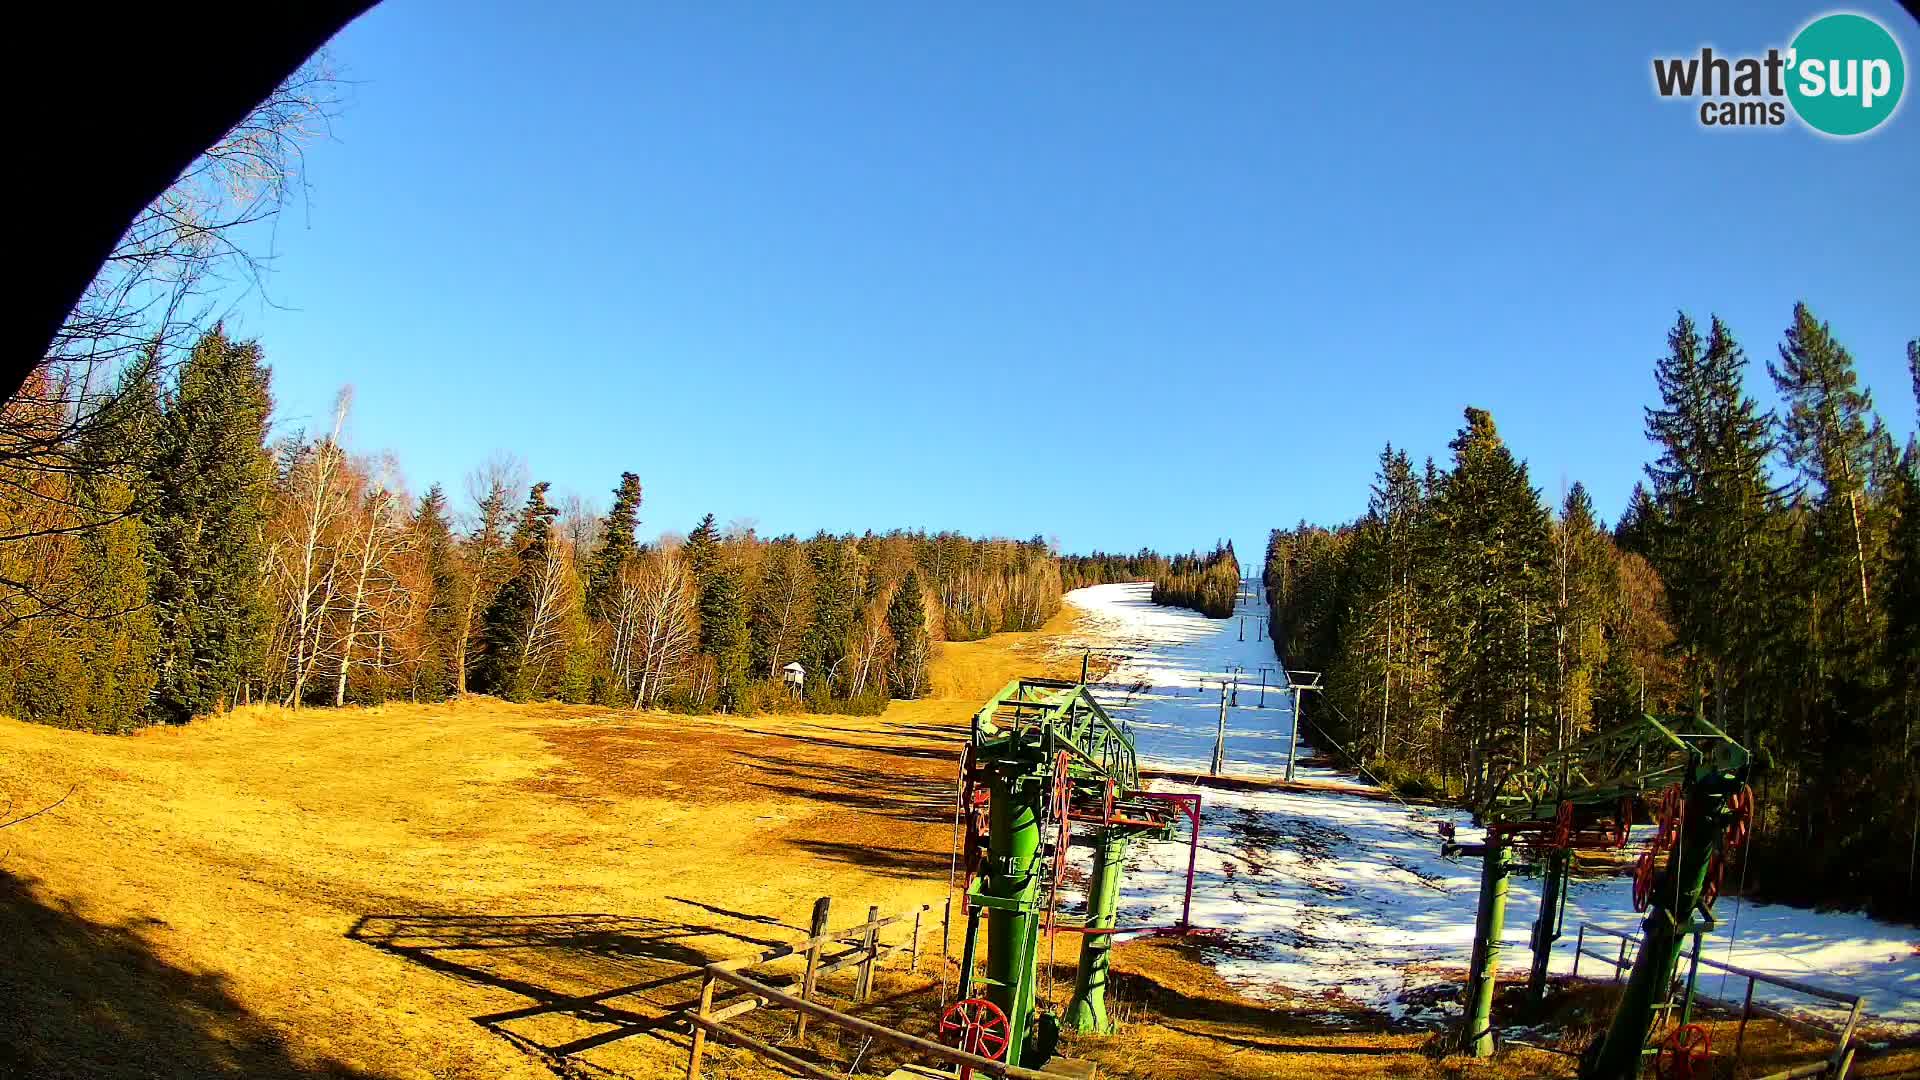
x=1835, y=1064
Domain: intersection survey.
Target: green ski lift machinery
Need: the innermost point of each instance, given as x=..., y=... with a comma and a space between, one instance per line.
x=1585, y=797
x=1043, y=758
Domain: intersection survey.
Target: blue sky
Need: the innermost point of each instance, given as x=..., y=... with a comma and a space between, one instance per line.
x=1119, y=274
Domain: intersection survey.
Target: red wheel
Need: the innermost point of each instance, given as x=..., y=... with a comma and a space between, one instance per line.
x=1710, y=885
x=1672, y=805
x=1740, y=823
x=974, y=797
x=976, y=1026
x=1643, y=880
x=1563, y=827
x=1684, y=1053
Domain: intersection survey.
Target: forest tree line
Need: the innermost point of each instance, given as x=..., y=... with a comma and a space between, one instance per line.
x=1765, y=576
x=1207, y=582
x=183, y=562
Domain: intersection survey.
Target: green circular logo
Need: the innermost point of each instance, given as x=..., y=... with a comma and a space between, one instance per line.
x=1845, y=74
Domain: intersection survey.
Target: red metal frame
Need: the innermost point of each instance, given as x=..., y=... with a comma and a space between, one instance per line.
x=1190, y=805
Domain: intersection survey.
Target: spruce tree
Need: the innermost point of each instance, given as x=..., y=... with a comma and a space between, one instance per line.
x=1913, y=371
x=723, y=636
x=703, y=550
x=907, y=622
x=1827, y=438
x=507, y=626
x=617, y=545
x=1713, y=538
x=210, y=482
x=835, y=568
x=446, y=586
x=1494, y=531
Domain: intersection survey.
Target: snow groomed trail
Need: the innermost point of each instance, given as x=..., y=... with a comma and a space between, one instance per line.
x=1342, y=895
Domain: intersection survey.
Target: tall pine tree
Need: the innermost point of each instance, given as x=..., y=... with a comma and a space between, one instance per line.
x=1711, y=531
x=907, y=623
x=723, y=636
x=211, y=480
x=441, y=645
x=1494, y=601
x=617, y=545
x=507, y=627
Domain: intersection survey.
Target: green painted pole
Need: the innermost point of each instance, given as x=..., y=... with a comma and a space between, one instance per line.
x=1693, y=978
x=1546, y=928
x=1087, y=1015
x=1662, y=935
x=1014, y=839
x=1496, y=867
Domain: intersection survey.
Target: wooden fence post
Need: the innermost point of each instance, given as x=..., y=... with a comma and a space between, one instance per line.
x=1577, y=946
x=1620, y=965
x=1843, y=1053
x=1740, y=1036
x=871, y=944
x=700, y=1029
x=818, y=927
x=914, y=949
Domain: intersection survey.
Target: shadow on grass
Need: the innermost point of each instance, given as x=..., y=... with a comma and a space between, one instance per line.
x=590, y=978
x=80, y=998
x=891, y=861
x=927, y=800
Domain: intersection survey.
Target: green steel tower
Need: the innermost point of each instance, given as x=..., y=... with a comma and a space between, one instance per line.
x=1043, y=757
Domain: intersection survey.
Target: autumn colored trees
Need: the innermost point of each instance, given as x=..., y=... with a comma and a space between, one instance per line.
x=194, y=564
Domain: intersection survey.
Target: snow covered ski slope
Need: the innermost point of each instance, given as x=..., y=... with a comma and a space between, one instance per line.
x=1330, y=893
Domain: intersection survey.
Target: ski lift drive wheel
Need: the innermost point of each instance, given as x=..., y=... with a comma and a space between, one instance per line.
x=976, y=1026
x=1683, y=1053
x=1740, y=821
x=1062, y=806
x=1672, y=805
x=1643, y=879
x=1710, y=884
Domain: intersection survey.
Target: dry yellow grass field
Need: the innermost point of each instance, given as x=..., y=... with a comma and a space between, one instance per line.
x=428, y=892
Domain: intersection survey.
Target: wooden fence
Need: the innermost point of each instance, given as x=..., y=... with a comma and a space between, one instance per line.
x=711, y=1015
x=1835, y=1065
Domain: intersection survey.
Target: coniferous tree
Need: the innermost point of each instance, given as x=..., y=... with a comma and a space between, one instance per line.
x=1712, y=500
x=441, y=648
x=211, y=481
x=509, y=626
x=835, y=569
x=912, y=647
x=702, y=550
x=76, y=629
x=488, y=557
x=1490, y=522
x=617, y=545
x=724, y=636
x=1827, y=438
x=1913, y=371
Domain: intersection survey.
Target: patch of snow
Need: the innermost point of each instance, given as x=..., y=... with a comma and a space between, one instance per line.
x=1331, y=893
